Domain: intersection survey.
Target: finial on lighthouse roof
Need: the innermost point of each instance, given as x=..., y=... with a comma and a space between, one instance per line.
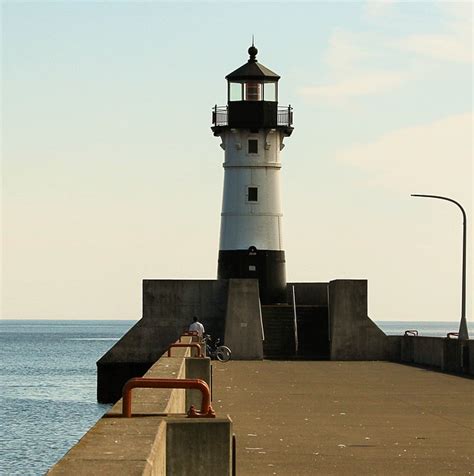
x=253, y=70
x=253, y=52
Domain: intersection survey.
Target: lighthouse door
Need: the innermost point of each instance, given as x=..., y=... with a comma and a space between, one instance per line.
x=266, y=266
x=252, y=262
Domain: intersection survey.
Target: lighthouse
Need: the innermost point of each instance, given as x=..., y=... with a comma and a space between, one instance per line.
x=252, y=128
x=325, y=320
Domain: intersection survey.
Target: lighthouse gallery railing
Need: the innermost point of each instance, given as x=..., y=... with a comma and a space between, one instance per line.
x=284, y=116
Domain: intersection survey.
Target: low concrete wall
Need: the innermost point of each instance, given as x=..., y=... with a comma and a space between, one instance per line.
x=171, y=305
x=315, y=294
x=423, y=350
x=394, y=344
x=449, y=355
x=470, y=346
x=156, y=440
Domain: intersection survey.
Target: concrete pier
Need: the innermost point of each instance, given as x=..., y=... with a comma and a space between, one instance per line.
x=338, y=418
x=292, y=417
x=331, y=320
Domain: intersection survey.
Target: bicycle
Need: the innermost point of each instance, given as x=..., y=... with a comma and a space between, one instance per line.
x=215, y=351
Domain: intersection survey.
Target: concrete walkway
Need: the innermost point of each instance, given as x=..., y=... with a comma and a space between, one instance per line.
x=346, y=418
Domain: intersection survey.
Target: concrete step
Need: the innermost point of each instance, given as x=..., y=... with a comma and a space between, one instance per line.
x=278, y=324
x=312, y=325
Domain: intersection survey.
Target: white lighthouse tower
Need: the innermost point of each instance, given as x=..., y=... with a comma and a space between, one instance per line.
x=252, y=128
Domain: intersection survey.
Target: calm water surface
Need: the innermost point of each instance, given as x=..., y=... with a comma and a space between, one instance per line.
x=48, y=388
x=424, y=328
x=48, y=384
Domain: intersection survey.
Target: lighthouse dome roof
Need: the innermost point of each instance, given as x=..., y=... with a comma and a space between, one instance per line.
x=253, y=70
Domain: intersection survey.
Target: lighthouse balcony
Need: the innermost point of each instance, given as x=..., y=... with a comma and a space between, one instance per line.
x=243, y=114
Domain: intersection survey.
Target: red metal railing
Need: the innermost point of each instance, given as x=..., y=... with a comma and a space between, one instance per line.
x=193, y=384
x=193, y=345
x=188, y=334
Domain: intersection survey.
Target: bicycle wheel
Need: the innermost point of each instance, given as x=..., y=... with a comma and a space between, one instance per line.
x=223, y=353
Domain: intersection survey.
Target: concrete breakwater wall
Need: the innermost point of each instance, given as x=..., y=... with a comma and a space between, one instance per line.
x=447, y=355
x=332, y=322
x=159, y=439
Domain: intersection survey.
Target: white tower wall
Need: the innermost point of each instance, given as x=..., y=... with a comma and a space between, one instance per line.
x=245, y=222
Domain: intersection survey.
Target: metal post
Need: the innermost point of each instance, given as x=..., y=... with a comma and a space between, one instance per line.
x=463, y=332
x=295, y=321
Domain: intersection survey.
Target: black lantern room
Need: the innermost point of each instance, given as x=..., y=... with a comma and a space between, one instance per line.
x=252, y=98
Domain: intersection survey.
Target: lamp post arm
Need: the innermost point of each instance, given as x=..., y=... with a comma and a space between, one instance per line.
x=463, y=332
x=448, y=200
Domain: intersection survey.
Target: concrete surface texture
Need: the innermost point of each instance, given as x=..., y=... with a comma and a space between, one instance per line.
x=308, y=293
x=344, y=418
x=353, y=335
x=470, y=345
x=449, y=355
x=197, y=368
x=198, y=446
x=159, y=439
x=423, y=350
x=231, y=307
x=243, y=321
x=168, y=309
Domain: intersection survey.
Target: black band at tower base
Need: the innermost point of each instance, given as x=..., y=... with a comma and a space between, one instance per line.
x=265, y=265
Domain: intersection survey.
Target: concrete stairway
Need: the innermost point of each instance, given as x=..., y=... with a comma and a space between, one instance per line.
x=278, y=324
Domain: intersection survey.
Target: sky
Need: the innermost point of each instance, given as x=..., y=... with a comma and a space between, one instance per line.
x=111, y=174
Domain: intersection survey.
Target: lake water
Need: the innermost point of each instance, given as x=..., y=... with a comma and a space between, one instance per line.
x=424, y=328
x=48, y=384
x=48, y=388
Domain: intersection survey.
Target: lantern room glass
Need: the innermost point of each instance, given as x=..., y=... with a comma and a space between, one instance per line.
x=251, y=90
x=270, y=92
x=235, y=92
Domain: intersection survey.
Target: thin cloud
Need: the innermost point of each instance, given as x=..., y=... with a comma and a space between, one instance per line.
x=345, y=50
x=453, y=44
x=349, y=54
x=453, y=47
x=362, y=85
x=379, y=8
x=432, y=157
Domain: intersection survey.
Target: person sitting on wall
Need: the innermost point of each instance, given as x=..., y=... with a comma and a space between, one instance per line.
x=196, y=326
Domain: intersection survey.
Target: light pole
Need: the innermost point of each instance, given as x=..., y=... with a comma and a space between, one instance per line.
x=463, y=333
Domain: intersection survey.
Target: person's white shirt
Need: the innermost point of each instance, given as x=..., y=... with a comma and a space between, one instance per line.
x=197, y=327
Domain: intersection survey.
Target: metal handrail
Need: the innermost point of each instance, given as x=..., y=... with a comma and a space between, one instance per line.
x=220, y=115
x=191, y=334
x=285, y=116
x=192, y=345
x=295, y=321
x=193, y=384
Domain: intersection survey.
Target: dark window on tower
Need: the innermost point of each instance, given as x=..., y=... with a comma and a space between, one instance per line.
x=253, y=146
x=253, y=194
